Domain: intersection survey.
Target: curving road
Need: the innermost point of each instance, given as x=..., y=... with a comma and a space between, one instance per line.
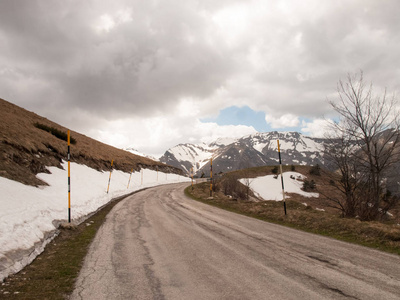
x=158, y=244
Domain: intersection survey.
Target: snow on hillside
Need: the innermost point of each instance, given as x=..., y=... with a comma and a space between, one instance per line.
x=198, y=155
x=256, y=149
x=223, y=141
x=287, y=141
x=270, y=188
x=29, y=215
x=136, y=152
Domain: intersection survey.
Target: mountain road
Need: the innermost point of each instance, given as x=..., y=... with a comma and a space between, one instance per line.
x=159, y=244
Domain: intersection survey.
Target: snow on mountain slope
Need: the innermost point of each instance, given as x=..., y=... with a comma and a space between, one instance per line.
x=249, y=151
x=186, y=156
x=136, y=152
x=287, y=140
x=223, y=142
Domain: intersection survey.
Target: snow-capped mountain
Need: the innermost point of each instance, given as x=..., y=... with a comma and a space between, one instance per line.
x=258, y=149
x=134, y=151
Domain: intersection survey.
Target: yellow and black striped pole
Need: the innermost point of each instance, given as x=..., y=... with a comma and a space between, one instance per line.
x=69, y=178
x=283, y=187
x=211, y=181
x=109, y=178
x=157, y=173
x=129, y=179
x=191, y=171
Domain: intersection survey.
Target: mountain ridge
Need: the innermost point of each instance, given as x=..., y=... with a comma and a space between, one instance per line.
x=248, y=151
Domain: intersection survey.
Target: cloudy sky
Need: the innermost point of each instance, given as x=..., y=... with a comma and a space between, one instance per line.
x=152, y=74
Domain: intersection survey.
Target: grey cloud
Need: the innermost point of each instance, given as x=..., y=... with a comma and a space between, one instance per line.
x=54, y=58
x=137, y=67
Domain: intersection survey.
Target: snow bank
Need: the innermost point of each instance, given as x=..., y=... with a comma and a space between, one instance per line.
x=270, y=188
x=28, y=215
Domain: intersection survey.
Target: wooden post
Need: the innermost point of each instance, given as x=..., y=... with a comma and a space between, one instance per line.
x=129, y=179
x=69, y=178
x=211, y=182
x=109, y=179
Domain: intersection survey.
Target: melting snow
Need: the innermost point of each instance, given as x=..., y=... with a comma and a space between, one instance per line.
x=28, y=213
x=270, y=188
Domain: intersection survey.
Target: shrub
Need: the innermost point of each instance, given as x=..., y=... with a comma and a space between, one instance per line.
x=57, y=133
x=230, y=185
x=275, y=170
x=308, y=185
x=315, y=170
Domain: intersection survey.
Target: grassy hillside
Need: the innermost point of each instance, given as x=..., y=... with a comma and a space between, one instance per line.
x=29, y=143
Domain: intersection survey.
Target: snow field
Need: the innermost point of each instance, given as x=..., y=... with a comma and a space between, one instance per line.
x=270, y=188
x=28, y=214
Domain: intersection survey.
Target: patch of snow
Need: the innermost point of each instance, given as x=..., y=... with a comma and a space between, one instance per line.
x=136, y=152
x=28, y=214
x=269, y=188
x=311, y=145
x=319, y=209
x=260, y=146
x=225, y=141
x=285, y=145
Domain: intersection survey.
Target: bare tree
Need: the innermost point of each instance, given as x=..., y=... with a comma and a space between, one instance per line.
x=368, y=144
x=247, y=183
x=348, y=180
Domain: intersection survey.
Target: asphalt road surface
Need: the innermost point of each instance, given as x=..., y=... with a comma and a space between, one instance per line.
x=158, y=244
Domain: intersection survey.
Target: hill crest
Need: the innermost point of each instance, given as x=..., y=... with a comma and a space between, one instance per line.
x=27, y=150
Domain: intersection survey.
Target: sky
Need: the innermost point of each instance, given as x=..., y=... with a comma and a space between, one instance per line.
x=152, y=74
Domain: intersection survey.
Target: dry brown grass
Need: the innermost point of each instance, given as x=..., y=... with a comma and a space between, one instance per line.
x=381, y=235
x=26, y=150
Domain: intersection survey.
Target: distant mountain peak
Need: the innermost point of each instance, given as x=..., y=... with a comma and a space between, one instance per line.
x=252, y=150
x=136, y=152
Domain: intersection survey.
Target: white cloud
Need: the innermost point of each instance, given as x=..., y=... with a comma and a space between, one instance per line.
x=284, y=121
x=155, y=135
x=315, y=128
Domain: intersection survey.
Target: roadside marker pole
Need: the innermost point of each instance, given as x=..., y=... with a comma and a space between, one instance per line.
x=129, y=179
x=157, y=173
x=192, y=177
x=211, y=178
x=283, y=188
x=69, y=179
x=109, y=179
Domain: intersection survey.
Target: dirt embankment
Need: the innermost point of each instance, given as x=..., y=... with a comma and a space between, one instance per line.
x=26, y=150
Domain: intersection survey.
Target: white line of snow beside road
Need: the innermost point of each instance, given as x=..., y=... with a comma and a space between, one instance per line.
x=27, y=213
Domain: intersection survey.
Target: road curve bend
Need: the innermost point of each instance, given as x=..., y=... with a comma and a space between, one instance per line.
x=159, y=244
